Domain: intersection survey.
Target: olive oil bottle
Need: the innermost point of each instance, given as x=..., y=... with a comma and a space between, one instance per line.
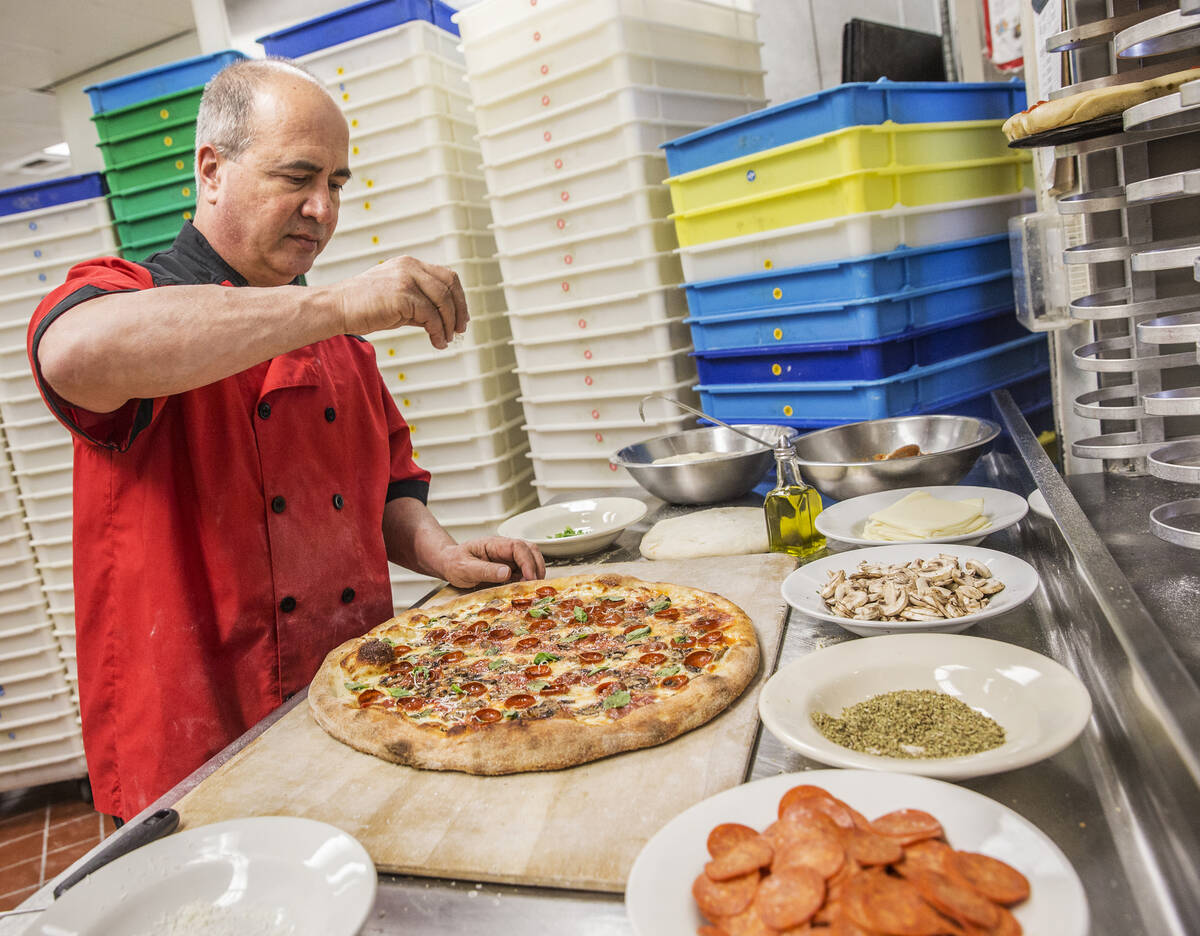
x=791, y=508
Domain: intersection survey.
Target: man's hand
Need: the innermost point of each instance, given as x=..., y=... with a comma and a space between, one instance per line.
x=494, y=559
x=405, y=291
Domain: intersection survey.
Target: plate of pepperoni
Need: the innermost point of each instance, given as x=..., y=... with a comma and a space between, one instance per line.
x=783, y=854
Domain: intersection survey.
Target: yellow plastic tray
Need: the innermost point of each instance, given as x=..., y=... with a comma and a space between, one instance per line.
x=853, y=193
x=876, y=146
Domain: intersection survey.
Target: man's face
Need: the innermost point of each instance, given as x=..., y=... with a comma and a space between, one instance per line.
x=276, y=206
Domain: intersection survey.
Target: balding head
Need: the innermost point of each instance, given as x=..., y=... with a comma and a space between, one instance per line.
x=228, y=109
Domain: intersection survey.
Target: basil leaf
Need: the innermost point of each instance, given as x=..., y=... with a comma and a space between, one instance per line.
x=536, y=685
x=497, y=664
x=681, y=639
x=454, y=687
x=661, y=605
x=579, y=636
x=521, y=631
x=510, y=715
x=544, y=658
x=542, y=602
x=667, y=671
x=423, y=670
x=580, y=615
x=388, y=641
x=357, y=686
x=399, y=693
x=538, y=612
x=617, y=598
x=637, y=634
x=598, y=669
x=618, y=699
x=492, y=651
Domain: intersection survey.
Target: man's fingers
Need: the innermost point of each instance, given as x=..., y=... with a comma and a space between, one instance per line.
x=444, y=292
x=524, y=556
x=471, y=571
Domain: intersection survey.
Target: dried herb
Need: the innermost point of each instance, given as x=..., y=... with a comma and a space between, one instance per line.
x=911, y=723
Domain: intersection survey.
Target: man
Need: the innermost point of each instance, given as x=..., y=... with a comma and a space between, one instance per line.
x=242, y=475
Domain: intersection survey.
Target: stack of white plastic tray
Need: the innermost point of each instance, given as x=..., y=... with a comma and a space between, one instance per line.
x=37, y=249
x=572, y=99
x=417, y=190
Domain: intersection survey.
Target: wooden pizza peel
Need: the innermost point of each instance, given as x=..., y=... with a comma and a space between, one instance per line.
x=576, y=828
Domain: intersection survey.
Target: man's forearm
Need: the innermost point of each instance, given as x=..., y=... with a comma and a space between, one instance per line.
x=413, y=537
x=168, y=340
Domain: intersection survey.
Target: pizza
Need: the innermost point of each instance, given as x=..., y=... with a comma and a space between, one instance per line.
x=1088, y=105
x=537, y=675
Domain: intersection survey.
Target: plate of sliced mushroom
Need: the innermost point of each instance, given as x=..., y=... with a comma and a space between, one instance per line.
x=908, y=588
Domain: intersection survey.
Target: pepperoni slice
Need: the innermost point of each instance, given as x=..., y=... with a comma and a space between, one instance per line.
x=485, y=716
x=591, y=657
x=803, y=817
x=436, y=635
x=705, y=624
x=891, y=905
x=798, y=794
x=683, y=642
x=958, y=901
x=520, y=604
x=1006, y=924
x=632, y=627
x=463, y=640
x=819, y=800
x=487, y=611
x=868, y=849
x=606, y=687
x=668, y=614
x=413, y=704
x=453, y=656
x=588, y=641
x=678, y=681
x=724, y=898
x=790, y=897
x=712, y=639
x=401, y=650
x=399, y=669
x=818, y=850
x=908, y=826
x=928, y=855
x=368, y=697
x=652, y=659
x=749, y=923
x=991, y=877
x=522, y=700
x=546, y=591
x=498, y=634
x=726, y=835
x=543, y=625
x=474, y=688
x=535, y=671
x=746, y=856
x=698, y=659
x=528, y=643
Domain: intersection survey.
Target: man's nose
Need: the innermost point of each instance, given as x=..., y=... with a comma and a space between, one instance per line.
x=319, y=206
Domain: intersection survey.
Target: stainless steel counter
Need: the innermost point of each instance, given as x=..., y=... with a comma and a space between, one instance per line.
x=1123, y=802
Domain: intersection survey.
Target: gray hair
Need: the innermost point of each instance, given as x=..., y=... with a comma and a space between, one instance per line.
x=226, y=117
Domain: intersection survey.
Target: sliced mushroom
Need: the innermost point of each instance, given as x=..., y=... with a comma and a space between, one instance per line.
x=856, y=599
x=831, y=586
x=990, y=587
x=977, y=568
x=894, y=599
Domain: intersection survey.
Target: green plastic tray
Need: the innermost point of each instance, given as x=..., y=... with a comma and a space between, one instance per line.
x=163, y=225
x=148, y=115
x=137, y=174
x=152, y=199
x=174, y=136
x=143, y=249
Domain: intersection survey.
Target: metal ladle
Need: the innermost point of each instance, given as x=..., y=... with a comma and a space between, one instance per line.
x=695, y=412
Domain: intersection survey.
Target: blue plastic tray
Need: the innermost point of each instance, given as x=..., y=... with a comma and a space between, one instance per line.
x=885, y=316
x=867, y=360
x=847, y=105
x=48, y=194
x=156, y=82
x=353, y=22
x=856, y=278
x=919, y=388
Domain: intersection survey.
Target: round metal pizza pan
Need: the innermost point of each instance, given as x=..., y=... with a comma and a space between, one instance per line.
x=1090, y=405
x=1178, y=257
x=1102, y=199
x=1178, y=522
x=1170, y=328
x=1088, y=357
x=1099, y=31
x=1164, y=113
x=1131, y=76
x=1189, y=94
x=1176, y=461
x=1168, y=32
x=1162, y=188
x=1113, y=445
x=1184, y=401
x=1106, y=250
x=1114, y=304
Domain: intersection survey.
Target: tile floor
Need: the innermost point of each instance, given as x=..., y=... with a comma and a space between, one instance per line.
x=42, y=831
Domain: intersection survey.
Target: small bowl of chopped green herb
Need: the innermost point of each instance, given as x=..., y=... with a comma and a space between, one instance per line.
x=939, y=705
x=575, y=528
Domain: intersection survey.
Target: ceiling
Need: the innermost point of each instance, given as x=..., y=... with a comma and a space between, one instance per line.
x=43, y=42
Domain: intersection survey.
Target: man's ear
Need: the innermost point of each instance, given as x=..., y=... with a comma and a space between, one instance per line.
x=210, y=166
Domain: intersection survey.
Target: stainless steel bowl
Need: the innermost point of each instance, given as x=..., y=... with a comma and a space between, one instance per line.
x=741, y=466
x=838, y=462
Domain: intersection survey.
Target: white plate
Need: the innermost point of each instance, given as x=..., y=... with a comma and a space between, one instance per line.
x=658, y=896
x=845, y=520
x=1037, y=503
x=602, y=519
x=800, y=589
x=1041, y=706
x=269, y=875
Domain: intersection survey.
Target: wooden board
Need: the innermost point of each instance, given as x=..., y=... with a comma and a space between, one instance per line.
x=578, y=828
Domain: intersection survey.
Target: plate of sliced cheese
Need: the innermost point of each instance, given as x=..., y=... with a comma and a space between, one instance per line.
x=943, y=514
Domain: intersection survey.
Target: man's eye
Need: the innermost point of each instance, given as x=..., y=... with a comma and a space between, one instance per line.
x=336, y=186
x=297, y=180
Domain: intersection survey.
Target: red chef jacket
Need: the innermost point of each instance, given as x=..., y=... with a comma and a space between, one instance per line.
x=225, y=539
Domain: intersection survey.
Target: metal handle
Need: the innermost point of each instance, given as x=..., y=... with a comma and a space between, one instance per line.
x=702, y=415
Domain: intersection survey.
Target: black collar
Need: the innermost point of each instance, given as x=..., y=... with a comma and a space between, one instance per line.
x=191, y=259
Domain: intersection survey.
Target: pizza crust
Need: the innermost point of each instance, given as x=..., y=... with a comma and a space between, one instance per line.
x=1088, y=105
x=520, y=745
